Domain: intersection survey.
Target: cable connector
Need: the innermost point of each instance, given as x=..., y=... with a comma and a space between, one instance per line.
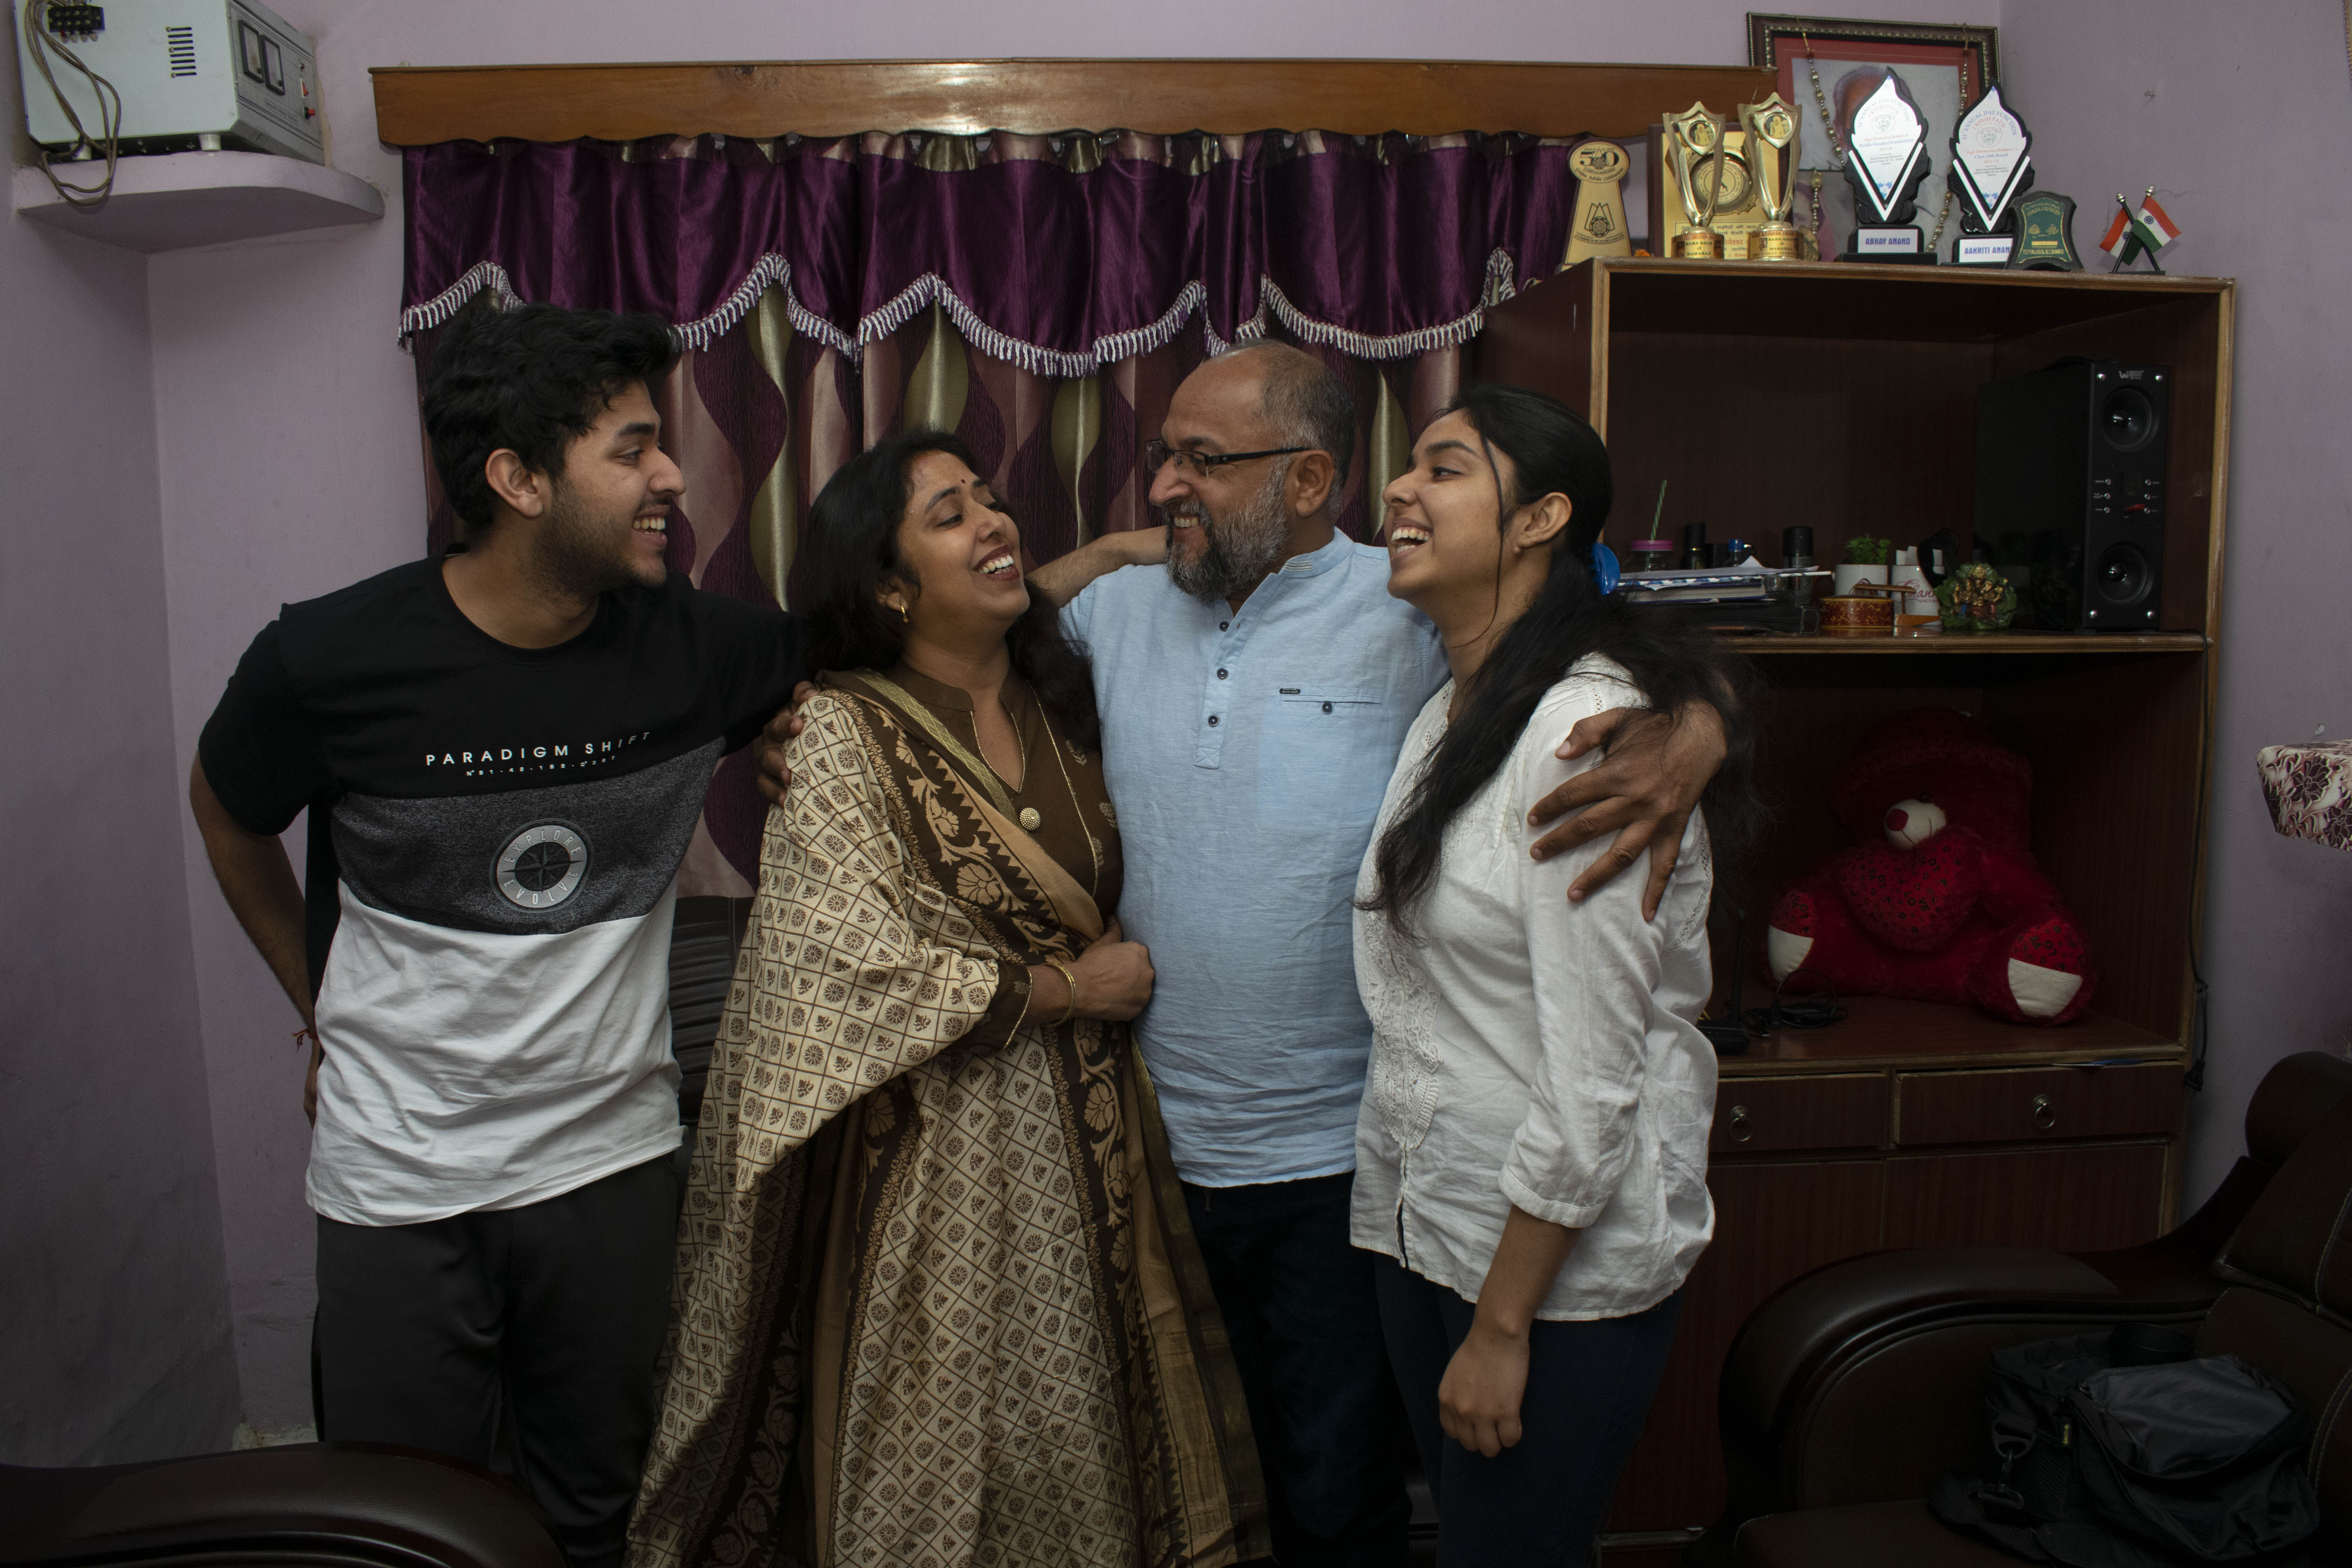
x=76, y=24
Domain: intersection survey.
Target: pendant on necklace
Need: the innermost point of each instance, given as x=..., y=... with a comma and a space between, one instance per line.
x=1030, y=819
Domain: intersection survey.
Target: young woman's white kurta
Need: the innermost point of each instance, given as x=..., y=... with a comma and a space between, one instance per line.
x=1530, y=1051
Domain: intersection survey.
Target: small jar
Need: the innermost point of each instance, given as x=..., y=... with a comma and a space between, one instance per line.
x=1650, y=555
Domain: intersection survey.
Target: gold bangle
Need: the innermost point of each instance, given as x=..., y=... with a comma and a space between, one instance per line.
x=1070, y=977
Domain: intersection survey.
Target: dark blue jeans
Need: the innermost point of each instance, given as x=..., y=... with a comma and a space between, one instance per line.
x=1540, y=1502
x=1300, y=1309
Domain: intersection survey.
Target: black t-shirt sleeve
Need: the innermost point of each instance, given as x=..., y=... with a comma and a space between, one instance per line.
x=753, y=661
x=262, y=757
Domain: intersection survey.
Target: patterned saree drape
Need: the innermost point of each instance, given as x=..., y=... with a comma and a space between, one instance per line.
x=934, y=1306
x=1041, y=297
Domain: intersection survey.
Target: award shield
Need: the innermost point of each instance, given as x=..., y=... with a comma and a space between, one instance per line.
x=1600, y=167
x=2045, y=234
x=1886, y=157
x=1989, y=169
x=1695, y=149
x=1768, y=129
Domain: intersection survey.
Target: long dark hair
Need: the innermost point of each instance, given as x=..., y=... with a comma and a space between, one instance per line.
x=1551, y=448
x=852, y=545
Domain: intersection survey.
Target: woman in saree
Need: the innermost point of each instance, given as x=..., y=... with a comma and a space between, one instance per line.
x=937, y=1299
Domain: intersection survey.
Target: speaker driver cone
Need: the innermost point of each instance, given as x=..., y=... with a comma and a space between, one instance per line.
x=2127, y=419
x=2122, y=578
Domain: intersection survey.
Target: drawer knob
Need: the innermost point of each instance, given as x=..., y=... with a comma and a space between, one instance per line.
x=1742, y=1130
x=2045, y=1115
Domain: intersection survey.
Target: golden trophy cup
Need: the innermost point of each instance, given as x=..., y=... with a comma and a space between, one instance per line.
x=1600, y=167
x=1768, y=129
x=1695, y=148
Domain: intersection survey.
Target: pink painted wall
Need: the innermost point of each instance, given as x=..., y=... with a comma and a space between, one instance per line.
x=2235, y=113
x=114, y=1308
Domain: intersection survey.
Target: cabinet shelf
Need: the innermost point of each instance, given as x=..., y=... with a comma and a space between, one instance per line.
x=1971, y=643
x=1879, y=1031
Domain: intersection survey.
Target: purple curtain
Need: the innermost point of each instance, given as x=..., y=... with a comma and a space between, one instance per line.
x=1061, y=254
x=1034, y=294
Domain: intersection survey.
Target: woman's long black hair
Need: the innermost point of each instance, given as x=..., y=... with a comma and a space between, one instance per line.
x=852, y=545
x=1551, y=448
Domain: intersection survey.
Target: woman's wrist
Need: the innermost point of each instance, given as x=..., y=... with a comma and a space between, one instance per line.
x=1498, y=1327
x=1049, y=993
x=1069, y=979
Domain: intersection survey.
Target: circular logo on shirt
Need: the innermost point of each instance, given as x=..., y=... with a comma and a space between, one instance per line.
x=541, y=866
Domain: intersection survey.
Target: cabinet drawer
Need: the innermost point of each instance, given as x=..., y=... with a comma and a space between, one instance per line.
x=2014, y=1105
x=1833, y=1110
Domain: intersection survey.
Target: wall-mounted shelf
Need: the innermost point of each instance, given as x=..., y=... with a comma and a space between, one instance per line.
x=171, y=201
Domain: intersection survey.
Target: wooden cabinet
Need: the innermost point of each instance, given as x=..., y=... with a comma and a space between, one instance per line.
x=1843, y=397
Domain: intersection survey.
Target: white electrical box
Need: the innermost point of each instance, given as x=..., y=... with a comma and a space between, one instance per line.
x=191, y=73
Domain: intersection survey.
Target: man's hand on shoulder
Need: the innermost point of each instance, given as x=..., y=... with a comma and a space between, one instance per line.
x=1063, y=578
x=775, y=773
x=1656, y=767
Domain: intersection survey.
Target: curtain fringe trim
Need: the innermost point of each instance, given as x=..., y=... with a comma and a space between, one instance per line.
x=1500, y=286
x=774, y=271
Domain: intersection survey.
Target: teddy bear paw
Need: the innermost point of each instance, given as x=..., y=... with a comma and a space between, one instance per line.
x=1789, y=938
x=2046, y=971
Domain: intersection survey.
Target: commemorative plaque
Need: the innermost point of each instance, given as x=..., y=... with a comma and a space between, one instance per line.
x=2045, y=234
x=1695, y=149
x=1886, y=157
x=1600, y=167
x=1990, y=168
x=1768, y=129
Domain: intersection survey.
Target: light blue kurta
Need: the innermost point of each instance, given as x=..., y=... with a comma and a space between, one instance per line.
x=1246, y=755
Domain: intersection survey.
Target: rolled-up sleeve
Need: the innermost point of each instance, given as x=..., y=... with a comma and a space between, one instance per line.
x=1596, y=968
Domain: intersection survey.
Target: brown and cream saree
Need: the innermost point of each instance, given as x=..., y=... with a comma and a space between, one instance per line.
x=937, y=1302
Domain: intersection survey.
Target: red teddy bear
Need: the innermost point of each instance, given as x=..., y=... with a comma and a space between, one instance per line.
x=1939, y=900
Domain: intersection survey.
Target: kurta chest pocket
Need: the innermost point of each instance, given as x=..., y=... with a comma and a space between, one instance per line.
x=1324, y=754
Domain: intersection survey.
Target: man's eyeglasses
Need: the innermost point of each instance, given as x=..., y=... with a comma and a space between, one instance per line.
x=1193, y=465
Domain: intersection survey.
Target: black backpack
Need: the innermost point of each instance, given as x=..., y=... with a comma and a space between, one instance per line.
x=2123, y=1449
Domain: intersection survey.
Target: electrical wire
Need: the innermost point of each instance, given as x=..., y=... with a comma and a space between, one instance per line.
x=1819, y=1013
x=40, y=43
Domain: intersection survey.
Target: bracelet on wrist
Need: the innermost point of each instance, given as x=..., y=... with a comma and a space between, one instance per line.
x=1069, y=978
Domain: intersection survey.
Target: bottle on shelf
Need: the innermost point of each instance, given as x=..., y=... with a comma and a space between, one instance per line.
x=1695, y=552
x=1916, y=611
x=1797, y=549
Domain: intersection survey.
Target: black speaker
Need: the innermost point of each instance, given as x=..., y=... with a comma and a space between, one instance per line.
x=2070, y=491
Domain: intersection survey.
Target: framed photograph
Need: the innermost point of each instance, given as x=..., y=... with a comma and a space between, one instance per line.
x=1837, y=62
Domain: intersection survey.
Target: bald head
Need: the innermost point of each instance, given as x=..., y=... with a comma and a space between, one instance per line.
x=1303, y=402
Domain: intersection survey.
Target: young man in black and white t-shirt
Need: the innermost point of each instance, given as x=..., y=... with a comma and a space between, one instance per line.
x=505, y=751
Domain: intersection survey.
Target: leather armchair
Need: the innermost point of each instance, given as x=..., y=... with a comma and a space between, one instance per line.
x=1848, y=1392
x=315, y=1505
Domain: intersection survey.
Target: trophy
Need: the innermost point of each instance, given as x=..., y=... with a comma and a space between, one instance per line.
x=2045, y=234
x=1695, y=147
x=1989, y=169
x=1600, y=167
x=1886, y=157
x=1767, y=128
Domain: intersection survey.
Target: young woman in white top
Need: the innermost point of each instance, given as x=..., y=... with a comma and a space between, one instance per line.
x=1531, y=1156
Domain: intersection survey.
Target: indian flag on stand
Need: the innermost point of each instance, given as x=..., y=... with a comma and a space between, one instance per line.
x=2150, y=229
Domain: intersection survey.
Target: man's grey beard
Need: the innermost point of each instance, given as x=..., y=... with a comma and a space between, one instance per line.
x=1236, y=551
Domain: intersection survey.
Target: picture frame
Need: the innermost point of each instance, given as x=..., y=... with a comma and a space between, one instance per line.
x=1946, y=68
